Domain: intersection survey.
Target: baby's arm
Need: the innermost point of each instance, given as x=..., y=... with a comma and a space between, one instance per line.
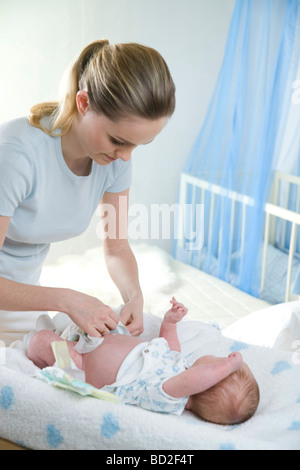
x=201, y=377
x=40, y=350
x=168, y=329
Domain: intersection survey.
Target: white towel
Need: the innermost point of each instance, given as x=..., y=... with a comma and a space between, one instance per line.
x=39, y=416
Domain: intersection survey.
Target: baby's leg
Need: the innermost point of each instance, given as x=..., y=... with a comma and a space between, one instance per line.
x=168, y=329
x=40, y=350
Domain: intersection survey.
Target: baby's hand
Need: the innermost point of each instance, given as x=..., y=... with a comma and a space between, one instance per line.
x=236, y=360
x=177, y=305
x=176, y=313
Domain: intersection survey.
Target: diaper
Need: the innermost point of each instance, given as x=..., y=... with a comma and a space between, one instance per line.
x=60, y=379
x=66, y=329
x=157, y=364
x=64, y=374
x=85, y=342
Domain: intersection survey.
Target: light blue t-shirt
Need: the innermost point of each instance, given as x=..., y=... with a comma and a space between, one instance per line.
x=46, y=201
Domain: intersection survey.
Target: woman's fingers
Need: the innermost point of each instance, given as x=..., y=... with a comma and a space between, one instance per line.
x=91, y=315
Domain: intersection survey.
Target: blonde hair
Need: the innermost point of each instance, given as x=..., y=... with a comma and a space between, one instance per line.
x=121, y=79
x=234, y=400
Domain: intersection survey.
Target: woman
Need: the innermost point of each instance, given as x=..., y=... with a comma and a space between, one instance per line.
x=59, y=164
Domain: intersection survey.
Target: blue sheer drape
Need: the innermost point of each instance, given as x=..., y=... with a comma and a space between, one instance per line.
x=240, y=143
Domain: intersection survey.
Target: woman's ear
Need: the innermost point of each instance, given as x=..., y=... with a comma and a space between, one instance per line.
x=82, y=101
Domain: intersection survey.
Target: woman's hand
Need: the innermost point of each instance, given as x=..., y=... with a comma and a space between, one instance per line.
x=132, y=315
x=90, y=314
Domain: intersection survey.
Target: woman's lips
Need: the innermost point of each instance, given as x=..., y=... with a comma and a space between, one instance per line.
x=111, y=159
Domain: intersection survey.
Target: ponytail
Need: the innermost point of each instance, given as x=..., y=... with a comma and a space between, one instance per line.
x=62, y=112
x=120, y=79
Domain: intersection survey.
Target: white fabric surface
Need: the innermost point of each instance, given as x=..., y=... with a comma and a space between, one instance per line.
x=34, y=414
x=273, y=327
x=39, y=416
x=161, y=277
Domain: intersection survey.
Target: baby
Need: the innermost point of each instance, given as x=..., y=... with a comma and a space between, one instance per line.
x=154, y=376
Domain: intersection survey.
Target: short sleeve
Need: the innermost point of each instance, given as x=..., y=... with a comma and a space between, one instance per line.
x=15, y=178
x=121, y=176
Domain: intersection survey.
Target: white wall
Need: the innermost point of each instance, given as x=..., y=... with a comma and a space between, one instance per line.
x=39, y=38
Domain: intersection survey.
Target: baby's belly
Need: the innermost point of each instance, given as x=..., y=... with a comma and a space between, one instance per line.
x=101, y=366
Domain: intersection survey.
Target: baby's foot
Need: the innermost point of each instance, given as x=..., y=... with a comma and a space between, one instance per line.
x=176, y=313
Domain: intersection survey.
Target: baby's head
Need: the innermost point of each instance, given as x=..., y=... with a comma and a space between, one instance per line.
x=232, y=401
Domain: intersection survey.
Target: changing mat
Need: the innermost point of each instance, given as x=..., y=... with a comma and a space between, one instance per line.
x=37, y=415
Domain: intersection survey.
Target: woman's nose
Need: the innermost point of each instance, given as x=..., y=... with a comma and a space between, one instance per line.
x=124, y=154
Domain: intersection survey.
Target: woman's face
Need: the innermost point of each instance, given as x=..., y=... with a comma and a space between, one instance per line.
x=104, y=140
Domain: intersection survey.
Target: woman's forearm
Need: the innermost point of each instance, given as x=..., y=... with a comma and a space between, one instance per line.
x=122, y=267
x=15, y=296
x=89, y=313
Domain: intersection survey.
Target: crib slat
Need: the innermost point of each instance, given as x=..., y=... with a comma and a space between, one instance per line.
x=182, y=199
x=211, y=220
x=298, y=200
x=202, y=201
x=265, y=252
x=233, y=203
x=193, y=219
x=290, y=262
x=221, y=227
x=286, y=204
x=244, y=209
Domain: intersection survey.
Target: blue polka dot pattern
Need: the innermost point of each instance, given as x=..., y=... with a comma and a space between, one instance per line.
x=54, y=438
x=295, y=426
x=280, y=367
x=227, y=446
x=110, y=425
x=238, y=346
x=7, y=397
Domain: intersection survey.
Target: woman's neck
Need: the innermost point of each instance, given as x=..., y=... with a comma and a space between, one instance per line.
x=73, y=153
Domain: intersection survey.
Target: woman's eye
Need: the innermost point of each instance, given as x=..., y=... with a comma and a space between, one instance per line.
x=116, y=142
